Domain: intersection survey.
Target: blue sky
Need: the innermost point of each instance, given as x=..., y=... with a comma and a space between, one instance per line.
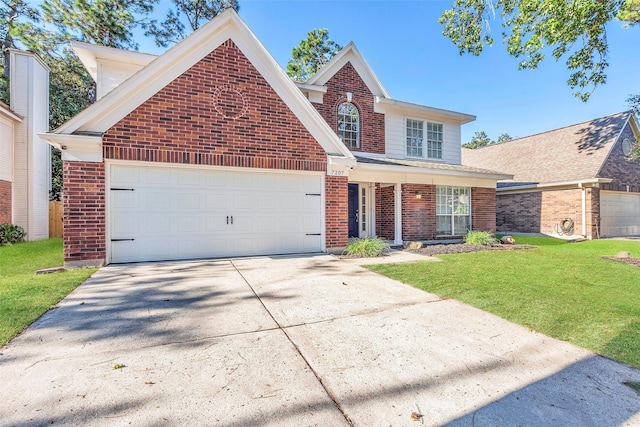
x=403, y=43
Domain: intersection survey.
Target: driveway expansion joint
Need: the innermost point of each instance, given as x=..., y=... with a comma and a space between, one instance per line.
x=329, y=393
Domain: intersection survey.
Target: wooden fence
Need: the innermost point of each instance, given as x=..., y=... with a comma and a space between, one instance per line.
x=55, y=219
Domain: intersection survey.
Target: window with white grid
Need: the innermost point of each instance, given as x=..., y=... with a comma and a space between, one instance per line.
x=435, y=140
x=415, y=136
x=349, y=125
x=453, y=210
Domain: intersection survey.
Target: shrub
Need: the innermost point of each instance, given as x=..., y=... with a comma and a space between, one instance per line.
x=10, y=234
x=483, y=238
x=366, y=247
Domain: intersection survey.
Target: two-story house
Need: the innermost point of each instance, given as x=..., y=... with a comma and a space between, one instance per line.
x=211, y=150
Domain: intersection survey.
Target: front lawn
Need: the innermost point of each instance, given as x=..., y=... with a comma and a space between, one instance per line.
x=565, y=290
x=24, y=297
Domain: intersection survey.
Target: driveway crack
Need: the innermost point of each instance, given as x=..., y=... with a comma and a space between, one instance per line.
x=295, y=346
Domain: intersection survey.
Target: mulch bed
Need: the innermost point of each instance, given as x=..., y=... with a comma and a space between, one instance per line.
x=461, y=248
x=627, y=260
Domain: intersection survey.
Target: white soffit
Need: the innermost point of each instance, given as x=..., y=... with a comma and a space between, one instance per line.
x=350, y=53
x=381, y=105
x=90, y=55
x=106, y=112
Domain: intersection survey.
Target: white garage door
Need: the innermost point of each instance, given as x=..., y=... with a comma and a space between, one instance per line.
x=165, y=213
x=620, y=214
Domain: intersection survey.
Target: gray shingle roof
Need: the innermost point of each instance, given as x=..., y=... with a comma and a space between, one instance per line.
x=567, y=154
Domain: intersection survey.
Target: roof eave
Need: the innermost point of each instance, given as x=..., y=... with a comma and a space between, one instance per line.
x=579, y=183
x=432, y=171
x=381, y=104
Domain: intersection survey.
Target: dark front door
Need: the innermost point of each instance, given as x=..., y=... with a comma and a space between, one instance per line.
x=353, y=210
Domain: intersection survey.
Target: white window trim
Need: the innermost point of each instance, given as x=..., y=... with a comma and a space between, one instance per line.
x=452, y=215
x=425, y=142
x=406, y=148
x=358, y=132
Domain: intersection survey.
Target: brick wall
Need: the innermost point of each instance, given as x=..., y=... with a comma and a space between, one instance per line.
x=5, y=202
x=542, y=211
x=418, y=215
x=219, y=112
x=593, y=212
x=337, y=211
x=385, y=212
x=372, y=134
x=84, y=226
x=619, y=168
x=518, y=212
x=483, y=209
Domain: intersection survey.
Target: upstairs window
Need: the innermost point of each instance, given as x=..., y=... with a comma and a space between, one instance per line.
x=415, y=136
x=349, y=125
x=434, y=140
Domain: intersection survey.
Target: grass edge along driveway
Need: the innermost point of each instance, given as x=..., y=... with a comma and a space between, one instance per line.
x=564, y=290
x=24, y=297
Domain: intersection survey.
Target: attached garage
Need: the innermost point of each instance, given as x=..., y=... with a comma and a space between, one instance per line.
x=619, y=213
x=171, y=213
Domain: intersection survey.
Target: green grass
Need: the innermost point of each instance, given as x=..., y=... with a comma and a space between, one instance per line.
x=565, y=290
x=24, y=297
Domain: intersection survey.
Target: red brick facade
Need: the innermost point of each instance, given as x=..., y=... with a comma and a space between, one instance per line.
x=337, y=211
x=84, y=223
x=418, y=214
x=219, y=112
x=483, y=207
x=222, y=112
x=543, y=211
x=5, y=202
x=624, y=172
x=372, y=134
x=385, y=212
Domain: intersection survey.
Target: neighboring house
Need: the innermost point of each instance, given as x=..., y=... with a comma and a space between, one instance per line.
x=580, y=174
x=211, y=150
x=25, y=160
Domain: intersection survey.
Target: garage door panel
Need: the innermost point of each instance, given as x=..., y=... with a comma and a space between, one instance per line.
x=620, y=214
x=182, y=214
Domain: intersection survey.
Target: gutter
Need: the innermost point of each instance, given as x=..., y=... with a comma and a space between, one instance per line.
x=580, y=183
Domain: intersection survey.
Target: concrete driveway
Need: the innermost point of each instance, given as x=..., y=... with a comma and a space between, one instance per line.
x=294, y=341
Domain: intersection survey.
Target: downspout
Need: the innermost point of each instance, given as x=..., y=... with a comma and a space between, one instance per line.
x=584, y=209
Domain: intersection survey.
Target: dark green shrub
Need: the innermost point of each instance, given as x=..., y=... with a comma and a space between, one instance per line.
x=10, y=234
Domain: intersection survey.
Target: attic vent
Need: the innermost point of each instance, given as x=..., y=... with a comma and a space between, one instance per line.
x=229, y=102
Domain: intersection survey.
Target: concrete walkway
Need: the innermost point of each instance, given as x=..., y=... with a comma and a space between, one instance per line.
x=294, y=341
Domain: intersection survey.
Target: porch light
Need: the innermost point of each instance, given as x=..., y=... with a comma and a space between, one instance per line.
x=418, y=195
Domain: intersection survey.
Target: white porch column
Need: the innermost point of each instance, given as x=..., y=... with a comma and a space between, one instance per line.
x=398, y=213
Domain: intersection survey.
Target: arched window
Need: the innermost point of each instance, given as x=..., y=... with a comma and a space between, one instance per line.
x=349, y=125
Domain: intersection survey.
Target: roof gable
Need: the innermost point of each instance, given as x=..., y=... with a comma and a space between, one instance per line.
x=570, y=153
x=106, y=112
x=350, y=53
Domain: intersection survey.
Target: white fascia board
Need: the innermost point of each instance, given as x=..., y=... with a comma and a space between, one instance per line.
x=350, y=53
x=84, y=148
x=341, y=160
x=106, y=112
x=428, y=171
x=10, y=114
x=579, y=183
x=90, y=55
x=381, y=105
